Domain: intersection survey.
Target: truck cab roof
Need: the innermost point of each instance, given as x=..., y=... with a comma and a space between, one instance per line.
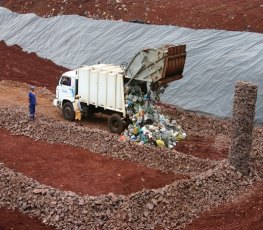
x=71, y=74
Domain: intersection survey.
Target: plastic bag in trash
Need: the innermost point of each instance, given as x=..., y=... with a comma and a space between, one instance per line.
x=148, y=125
x=160, y=143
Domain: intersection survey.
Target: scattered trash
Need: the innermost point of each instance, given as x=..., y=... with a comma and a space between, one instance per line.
x=148, y=126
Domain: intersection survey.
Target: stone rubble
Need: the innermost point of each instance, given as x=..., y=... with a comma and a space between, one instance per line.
x=103, y=142
x=243, y=124
x=170, y=207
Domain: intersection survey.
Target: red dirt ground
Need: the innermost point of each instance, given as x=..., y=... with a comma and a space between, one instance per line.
x=14, y=220
x=247, y=214
x=65, y=166
x=203, y=147
x=24, y=67
x=238, y=15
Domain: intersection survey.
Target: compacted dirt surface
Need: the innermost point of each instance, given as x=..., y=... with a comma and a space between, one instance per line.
x=79, y=170
x=238, y=15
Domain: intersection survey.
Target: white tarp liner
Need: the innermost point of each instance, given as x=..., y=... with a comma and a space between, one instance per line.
x=215, y=59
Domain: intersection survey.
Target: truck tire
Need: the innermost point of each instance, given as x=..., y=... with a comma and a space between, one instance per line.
x=115, y=123
x=89, y=111
x=68, y=111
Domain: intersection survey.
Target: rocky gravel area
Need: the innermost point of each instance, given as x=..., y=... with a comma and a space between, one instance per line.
x=101, y=142
x=170, y=207
x=208, y=126
x=64, y=210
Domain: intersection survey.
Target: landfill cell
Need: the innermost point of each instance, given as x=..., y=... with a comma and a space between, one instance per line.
x=74, y=169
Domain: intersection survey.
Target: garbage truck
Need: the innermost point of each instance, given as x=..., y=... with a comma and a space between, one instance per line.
x=102, y=87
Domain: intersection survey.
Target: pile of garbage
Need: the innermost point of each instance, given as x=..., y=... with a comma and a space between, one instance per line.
x=148, y=125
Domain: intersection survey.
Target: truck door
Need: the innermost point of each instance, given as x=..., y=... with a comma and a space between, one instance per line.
x=66, y=89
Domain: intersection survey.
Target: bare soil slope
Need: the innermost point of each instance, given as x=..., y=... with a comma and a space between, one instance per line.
x=238, y=15
x=28, y=67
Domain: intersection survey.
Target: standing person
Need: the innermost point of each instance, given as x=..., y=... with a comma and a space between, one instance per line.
x=32, y=103
x=77, y=109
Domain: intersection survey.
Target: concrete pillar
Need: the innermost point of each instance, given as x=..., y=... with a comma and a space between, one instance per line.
x=242, y=125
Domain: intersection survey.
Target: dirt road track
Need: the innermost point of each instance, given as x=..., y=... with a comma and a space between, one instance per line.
x=14, y=93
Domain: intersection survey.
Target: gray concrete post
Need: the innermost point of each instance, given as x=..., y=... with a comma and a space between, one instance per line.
x=242, y=125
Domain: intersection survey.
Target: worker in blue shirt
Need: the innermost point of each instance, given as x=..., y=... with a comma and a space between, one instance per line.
x=32, y=103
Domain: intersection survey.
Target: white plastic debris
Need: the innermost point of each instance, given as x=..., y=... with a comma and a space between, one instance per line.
x=148, y=126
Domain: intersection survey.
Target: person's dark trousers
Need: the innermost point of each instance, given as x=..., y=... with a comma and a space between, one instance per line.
x=32, y=110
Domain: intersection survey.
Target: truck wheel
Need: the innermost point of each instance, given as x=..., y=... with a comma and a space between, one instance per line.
x=68, y=111
x=89, y=111
x=115, y=123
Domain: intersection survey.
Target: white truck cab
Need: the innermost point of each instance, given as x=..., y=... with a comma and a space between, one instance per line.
x=66, y=88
